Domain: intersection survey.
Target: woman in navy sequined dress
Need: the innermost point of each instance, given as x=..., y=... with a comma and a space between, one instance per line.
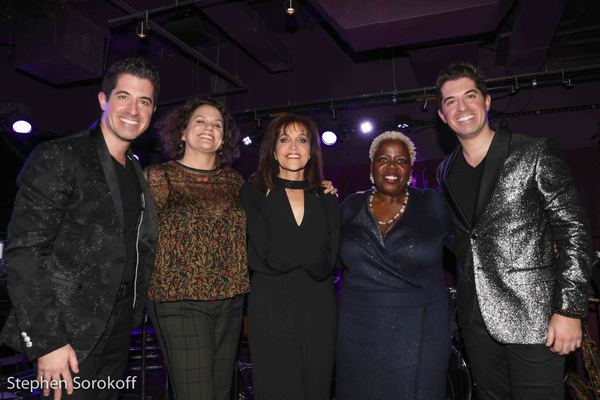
x=393, y=333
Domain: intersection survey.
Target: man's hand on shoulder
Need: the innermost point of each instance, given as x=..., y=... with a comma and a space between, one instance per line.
x=55, y=366
x=564, y=334
x=328, y=188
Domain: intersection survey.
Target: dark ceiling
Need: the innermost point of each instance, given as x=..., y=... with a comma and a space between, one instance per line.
x=65, y=42
x=330, y=55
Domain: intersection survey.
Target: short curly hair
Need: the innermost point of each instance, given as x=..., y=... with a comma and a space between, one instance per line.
x=394, y=135
x=173, y=124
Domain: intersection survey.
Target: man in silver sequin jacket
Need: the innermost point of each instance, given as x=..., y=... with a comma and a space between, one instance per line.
x=523, y=243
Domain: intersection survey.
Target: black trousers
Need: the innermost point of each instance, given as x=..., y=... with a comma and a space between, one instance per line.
x=512, y=371
x=292, y=332
x=101, y=374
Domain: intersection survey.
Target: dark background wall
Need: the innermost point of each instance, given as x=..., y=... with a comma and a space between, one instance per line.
x=352, y=59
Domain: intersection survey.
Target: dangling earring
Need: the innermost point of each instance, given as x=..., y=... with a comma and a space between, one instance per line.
x=410, y=181
x=220, y=151
x=371, y=178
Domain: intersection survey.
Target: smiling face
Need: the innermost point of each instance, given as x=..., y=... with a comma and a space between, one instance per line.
x=204, y=131
x=127, y=111
x=292, y=151
x=391, y=167
x=464, y=108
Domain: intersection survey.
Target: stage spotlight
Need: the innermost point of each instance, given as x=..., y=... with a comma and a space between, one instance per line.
x=329, y=138
x=21, y=126
x=16, y=117
x=247, y=140
x=366, y=127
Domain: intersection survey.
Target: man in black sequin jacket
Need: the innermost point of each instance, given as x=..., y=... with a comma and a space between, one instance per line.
x=523, y=243
x=81, y=241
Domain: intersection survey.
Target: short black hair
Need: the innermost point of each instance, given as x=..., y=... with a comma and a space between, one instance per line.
x=136, y=66
x=459, y=70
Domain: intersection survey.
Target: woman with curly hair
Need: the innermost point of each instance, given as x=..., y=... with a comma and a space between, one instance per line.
x=200, y=273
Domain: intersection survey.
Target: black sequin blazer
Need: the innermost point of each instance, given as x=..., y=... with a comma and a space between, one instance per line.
x=66, y=254
x=527, y=202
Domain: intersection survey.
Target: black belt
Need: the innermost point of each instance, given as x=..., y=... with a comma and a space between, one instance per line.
x=125, y=290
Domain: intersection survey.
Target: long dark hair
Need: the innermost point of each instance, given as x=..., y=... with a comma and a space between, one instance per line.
x=173, y=124
x=268, y=167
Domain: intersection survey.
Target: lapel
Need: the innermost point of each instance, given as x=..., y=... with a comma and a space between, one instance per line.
x=459, y=215
x=147, y=202
x=494, y=161
x=108, y=168
x=366, y=221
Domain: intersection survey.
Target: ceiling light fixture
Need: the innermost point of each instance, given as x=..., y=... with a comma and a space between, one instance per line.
x=514, y=89
x=290, y=7
x=425, y=105
x=143, y=27
x=567, y=83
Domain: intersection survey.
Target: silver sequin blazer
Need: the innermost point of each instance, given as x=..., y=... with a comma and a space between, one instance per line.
x=527, y=201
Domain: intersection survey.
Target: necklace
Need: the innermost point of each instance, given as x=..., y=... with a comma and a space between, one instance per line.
x=287, y=184
x=196, y=171
x=395, y=217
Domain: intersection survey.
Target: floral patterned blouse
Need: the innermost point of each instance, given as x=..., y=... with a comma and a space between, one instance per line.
x=201, y=247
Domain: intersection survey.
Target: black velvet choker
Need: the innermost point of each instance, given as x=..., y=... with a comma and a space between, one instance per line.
x=284, y=183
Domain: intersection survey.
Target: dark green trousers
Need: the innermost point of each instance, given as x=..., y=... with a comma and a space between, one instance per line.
x=199, y=341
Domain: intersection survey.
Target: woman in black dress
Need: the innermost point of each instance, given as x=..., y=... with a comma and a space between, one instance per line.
x=394, y=336
x=293, y=233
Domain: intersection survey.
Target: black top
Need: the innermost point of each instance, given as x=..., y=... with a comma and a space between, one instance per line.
x=277, y=244
x=464, y=181
x=131, y=199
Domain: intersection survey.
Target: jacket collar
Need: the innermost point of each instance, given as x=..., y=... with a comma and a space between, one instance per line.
x=108, y=168
x=494, y=162
x=497, y=153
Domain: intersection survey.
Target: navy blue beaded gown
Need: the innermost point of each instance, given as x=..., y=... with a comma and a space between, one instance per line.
x=393, y=333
